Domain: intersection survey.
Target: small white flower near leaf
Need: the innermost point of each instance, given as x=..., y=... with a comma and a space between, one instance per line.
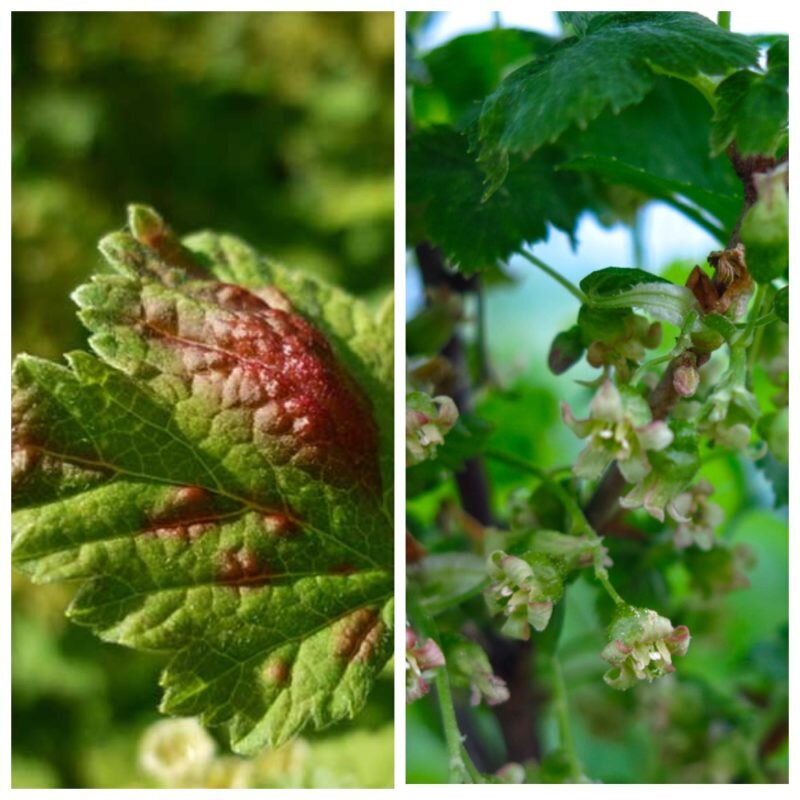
x=177, y=752
x=641, y=646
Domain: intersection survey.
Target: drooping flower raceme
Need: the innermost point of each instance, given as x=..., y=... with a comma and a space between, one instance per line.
x=421, y=662
x=428, y=419
x=524, y=590
x=620, y=427
x=672, y=470
x=469, y=666
x=641, y=646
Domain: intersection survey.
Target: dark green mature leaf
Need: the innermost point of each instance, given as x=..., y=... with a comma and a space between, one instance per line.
x=445, y=195
x=464, y=70
x=660, y=147
x=612, y=66
x=753, y=107
x=214, y=480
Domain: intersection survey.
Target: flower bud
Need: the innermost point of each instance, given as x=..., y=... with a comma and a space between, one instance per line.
x=685, y=380
x=566, y=350
x=765, y=227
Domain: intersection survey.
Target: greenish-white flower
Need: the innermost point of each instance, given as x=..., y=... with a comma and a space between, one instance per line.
x=697, y=517
x=524, y=590
x=177, y=752
x=469, y=666
x=428, y=419
x=619, y=428
x=641, y=647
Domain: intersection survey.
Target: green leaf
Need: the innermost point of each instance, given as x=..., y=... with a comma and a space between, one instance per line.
x=753, y=107
x=464, y=70
x=577, y=20
x=218, y=480
x=447, y=206
x=625, y=288
x=429, y=331
x=613, y=280
x=447, y=579
x=719, y=324
x=613, y=66
x=660, y=147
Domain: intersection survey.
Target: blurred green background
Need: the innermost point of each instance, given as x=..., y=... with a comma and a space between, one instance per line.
x=277, y=127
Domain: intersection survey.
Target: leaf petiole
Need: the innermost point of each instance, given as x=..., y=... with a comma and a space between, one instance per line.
x=554, y=274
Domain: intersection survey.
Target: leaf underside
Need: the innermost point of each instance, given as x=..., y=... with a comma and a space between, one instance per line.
x=218, y=477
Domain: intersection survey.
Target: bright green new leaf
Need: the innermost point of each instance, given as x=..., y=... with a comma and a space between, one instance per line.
x=218, y=479
x=613, y=65
x=624, y=288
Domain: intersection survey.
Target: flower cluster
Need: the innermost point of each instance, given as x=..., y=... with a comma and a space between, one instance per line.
x=697, y=517
x=421, y=662
x=620, y=428
x=470, y=667
x=641, y=646
x=428, y=419
x=524, y=590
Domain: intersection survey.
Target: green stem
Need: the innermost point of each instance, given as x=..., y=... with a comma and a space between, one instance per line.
x=554, y=274
x=724, y=19
x=461, y=767
x=484, y=373
x=459, y=772
x=637, y=239
x=578, y=517
x=601, y=573
x=561, y=709
x=755, y=314
x=471, y=768
x=751, y=338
